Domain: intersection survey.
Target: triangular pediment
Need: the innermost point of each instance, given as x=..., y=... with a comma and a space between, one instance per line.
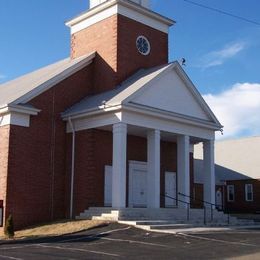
x=165, y=90
x=172, y=91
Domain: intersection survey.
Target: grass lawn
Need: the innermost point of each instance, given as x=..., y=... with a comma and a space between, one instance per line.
x=57, y=228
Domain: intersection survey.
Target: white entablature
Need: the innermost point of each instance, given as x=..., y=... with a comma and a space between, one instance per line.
x=134, y=9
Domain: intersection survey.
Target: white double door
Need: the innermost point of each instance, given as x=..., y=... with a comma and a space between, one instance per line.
x=137, y=186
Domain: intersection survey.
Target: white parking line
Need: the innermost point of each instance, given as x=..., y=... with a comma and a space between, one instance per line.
x=113, y=231
x=79, y=249
x=134, y=242
x=10, y=257
x=48, y=245
x=14, y=247
x=217, y=240
x=93, y=236
x=99, y=236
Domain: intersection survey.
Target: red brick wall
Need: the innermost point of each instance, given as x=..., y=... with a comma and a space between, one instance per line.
x=114, y=39
x=100, y=37
x=94, y=151
x=36, y=176
x=4, y=149
x=88, y=181
x=240, y=204
x=129, y=60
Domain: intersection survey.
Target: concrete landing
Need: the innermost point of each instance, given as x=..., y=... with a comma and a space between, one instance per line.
x=161, y=226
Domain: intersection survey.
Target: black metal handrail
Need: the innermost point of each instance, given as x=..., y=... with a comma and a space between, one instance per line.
x=205, y=202
x=182, y=201
x=204, y=208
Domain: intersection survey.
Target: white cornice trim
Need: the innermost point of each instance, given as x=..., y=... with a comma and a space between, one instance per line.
x=19, y=109
x=170, y=116
x=144, y=110
x=14, y=118
x=17, y=115
x=91, y=112
x=123, y=7
x=141, y=118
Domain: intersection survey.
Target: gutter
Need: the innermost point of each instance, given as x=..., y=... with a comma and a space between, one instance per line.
x=72, y=168
x=91, y=112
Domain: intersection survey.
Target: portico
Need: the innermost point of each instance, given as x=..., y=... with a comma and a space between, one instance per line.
x=153, y=168
x=124, y=112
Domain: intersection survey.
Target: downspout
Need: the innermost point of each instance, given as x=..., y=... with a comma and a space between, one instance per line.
x=72, y=168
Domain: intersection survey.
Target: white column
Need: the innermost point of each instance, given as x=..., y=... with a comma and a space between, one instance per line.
x=209, y=172
x=183, y=169
x=119, y=165
x=154, y=169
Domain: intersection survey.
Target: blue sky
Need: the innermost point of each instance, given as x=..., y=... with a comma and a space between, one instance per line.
x=222, y=53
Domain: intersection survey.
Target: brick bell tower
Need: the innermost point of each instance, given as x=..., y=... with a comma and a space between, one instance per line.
x=125, y=34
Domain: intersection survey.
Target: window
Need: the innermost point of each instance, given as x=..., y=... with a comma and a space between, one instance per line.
x=230, y=193
x=249, y=192
x=143, y=45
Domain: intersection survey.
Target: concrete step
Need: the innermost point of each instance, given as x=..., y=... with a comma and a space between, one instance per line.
x=156, y=222
x=112, y=213
x=170, y=226
x=107, y=218
x=169, y=216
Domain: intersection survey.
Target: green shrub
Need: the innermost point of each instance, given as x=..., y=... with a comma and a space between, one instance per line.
x=9, y=227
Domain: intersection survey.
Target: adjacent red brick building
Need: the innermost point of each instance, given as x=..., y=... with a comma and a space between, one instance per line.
x=237, y=173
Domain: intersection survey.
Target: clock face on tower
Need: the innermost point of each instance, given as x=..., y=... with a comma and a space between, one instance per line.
x=143, y=45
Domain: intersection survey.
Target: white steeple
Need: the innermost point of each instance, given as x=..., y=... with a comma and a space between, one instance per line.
x=144, y=3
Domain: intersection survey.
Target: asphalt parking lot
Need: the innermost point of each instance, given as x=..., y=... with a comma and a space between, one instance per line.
x=122, y=242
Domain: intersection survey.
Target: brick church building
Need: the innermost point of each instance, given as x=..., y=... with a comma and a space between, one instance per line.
x=113, y=125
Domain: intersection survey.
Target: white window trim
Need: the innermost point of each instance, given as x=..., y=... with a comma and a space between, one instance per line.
x=246, y=192
x=228, y=193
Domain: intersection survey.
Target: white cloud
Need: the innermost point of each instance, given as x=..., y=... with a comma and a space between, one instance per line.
x=238, y=109
x=216, y=58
